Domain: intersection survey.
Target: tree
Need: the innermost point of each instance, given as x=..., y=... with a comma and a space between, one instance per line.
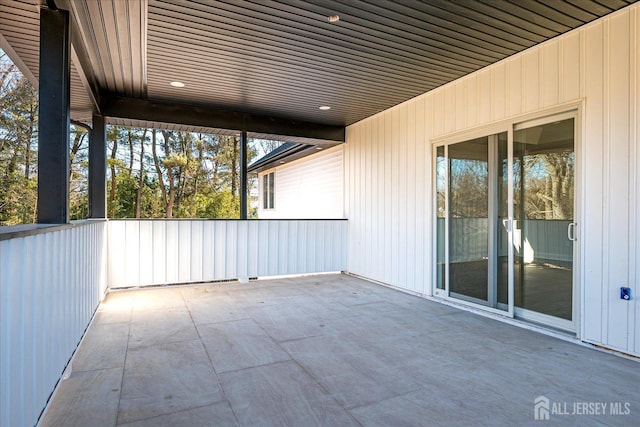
x=156, y=162
x=141, y=176
x=549, y=183
x=18, y=141
x=78, y=174
x=113, y=136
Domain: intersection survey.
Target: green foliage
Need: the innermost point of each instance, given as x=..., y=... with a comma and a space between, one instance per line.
x=79, y=209
x=78, y=179
x=151, y=204
x=176, y=161
x=18, y=138
x=126, y=190
x=18, y=197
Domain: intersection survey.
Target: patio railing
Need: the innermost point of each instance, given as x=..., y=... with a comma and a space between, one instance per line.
x=50, y=285
x=153, y=252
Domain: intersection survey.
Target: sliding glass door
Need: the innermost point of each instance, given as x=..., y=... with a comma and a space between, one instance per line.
x=505, y=226
x=544, y=164
x=471, y=203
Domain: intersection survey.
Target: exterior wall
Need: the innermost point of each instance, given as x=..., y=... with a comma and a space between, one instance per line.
x=156, y=252
x=50, y=286
x=308, y=188
x=388, y=158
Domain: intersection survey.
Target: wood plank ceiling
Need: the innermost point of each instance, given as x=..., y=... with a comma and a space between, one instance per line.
x=283, y=57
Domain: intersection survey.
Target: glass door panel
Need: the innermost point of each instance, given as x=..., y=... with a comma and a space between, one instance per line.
x=472, y=197
x=469, y=219
x=502, y=221
x=441, y=213
x=544, y=162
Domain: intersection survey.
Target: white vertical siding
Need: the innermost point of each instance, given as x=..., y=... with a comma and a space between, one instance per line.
x=388, y=166
x=634, y=247
x=308, y=188
x=50, y=285
x=156, y=252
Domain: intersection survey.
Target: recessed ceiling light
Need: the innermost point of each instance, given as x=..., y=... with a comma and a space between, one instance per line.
x=318, y=148
x=281, y=161
x=325, y=107
x=177, y=84
x=333, y=18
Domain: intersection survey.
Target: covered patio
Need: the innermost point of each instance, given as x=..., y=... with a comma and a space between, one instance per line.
x=159, y=322
x=323, y=350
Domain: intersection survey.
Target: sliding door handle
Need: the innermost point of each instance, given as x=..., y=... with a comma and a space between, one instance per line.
x=571, y=231
x=509, y=225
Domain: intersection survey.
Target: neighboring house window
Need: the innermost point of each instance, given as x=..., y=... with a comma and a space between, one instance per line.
x=268, y=190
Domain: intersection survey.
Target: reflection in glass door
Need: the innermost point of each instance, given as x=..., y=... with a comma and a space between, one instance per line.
x=469, y=219
x=470, y=202
x=544, y=162
x=504, y=221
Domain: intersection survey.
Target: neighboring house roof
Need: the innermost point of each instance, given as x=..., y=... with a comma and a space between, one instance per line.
x=289, y=151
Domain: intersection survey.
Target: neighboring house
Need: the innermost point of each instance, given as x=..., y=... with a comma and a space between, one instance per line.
x=306, y=188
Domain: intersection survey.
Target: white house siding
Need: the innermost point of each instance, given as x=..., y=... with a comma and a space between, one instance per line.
x=308, y=188
x=388, y=157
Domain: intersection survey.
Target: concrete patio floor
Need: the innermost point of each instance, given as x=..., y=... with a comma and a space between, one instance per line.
x=329, y=350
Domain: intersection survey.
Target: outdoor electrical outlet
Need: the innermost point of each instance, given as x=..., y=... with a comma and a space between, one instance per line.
x=625, y=293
